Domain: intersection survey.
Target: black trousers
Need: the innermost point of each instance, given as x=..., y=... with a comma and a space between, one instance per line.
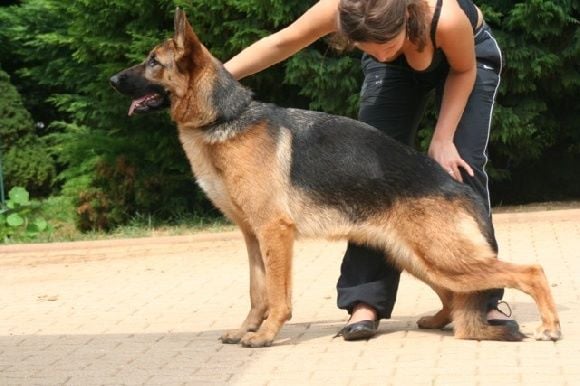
x=393, y=99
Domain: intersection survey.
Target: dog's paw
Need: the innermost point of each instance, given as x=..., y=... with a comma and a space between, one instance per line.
x=255, y=340
x=232, y=336
x=547, y=334
x=432, y=322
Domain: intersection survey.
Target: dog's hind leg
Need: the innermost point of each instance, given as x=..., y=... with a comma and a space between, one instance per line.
x=258, y=295
x=469, y=320
x=276, y=240
x=443, y=317
x=450, y=244
x=492, y=273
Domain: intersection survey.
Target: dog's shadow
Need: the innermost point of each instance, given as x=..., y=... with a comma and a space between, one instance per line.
x=525, y=313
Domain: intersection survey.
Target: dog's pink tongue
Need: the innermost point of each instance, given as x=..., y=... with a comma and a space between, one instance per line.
x=136, y=103
x=132, y=108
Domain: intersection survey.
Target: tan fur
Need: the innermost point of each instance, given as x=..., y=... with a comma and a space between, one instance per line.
x=246, y=174
x=443, y=317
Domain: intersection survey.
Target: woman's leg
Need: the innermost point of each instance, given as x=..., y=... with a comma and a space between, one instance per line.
x=393, y=102
x=472, y=134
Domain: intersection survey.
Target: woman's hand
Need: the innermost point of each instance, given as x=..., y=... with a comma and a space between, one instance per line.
x=455, y=37
x=446, y=155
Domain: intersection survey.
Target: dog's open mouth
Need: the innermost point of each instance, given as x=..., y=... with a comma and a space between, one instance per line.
x=146, y=96
x=149, y=102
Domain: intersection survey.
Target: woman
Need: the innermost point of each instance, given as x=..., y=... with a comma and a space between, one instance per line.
x=411, y=47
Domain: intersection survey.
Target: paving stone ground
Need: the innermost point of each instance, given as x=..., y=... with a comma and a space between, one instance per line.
x=150, y=311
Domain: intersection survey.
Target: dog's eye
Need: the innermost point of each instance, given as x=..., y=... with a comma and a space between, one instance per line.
x=153, y=62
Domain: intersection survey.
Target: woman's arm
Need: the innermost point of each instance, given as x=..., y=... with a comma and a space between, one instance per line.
x=455, y=37
x=318, y=21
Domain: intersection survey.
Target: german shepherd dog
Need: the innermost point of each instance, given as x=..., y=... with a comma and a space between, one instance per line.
x=282, y=173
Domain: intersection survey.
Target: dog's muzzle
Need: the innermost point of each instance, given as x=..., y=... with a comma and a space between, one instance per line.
x=146, y=96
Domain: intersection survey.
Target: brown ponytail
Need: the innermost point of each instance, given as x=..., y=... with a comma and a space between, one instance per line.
x=418, y=23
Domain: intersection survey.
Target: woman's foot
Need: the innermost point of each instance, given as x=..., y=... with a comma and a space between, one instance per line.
x=362, y=324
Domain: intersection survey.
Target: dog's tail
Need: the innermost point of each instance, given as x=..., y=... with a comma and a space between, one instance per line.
x=470, y=322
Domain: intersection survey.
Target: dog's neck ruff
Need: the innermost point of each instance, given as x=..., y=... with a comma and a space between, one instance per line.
x=223, y=130
x=230, y=102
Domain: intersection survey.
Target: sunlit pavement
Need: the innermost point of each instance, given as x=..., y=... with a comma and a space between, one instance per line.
x=150, y=311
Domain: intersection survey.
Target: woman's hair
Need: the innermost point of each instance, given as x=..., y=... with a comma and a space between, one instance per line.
x=379, y=21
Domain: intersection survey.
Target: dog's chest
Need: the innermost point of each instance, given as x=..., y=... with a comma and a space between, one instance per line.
x=208, y=177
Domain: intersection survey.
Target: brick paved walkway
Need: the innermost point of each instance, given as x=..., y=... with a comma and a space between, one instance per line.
x=150, y=311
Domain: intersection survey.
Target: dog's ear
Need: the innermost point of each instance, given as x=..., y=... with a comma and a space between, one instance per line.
x=179, y=27
x=186, y=42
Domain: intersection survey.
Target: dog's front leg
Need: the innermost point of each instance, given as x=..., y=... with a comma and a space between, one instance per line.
x=276, y=242
x=258, y=295
x=443, y=317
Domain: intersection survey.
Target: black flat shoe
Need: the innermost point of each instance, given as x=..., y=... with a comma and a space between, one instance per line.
x=504, y=322
x=365, y=329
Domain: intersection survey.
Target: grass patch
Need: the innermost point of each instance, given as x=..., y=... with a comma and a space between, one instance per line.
x=60, y=214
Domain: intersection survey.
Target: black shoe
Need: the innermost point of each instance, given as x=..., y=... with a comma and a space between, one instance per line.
x=365, y=329
x=503, y=322
x=512, y=324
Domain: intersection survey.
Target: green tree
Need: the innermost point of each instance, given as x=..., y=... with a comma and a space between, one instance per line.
x=25, y=160
x=111, y=165
x=116, y=167
x=535, y=139
x=61, y=53
x=536, y=136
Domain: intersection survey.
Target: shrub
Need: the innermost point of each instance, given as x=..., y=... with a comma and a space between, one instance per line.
x=20, y=219
x=25, y=159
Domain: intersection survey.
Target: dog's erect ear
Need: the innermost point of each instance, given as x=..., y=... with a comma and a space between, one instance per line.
x=186, y=42
x=179, y=27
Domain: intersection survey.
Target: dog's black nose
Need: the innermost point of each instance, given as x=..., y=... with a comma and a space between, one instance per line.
x=114, y=80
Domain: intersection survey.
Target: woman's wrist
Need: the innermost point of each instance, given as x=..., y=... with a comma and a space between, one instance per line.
x=443, y=135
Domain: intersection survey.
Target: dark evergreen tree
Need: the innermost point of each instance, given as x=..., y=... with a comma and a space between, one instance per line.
x=25, y=160
x=60, y=54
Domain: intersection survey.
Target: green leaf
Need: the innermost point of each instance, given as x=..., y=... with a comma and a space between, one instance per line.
x=32, y=230
x=14, y=220
x=40, y=224
x=19, y=196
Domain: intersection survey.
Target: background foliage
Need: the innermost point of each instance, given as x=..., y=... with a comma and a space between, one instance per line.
x=60, y=53
x=20, y=218
x=24, y=161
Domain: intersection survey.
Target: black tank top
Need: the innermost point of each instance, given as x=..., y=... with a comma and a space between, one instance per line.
x=438, y=56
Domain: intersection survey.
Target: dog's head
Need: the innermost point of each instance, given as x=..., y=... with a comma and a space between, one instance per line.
x=167, y=71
